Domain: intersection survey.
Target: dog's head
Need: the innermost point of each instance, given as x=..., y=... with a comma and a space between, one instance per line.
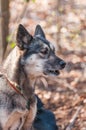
x=39, y=58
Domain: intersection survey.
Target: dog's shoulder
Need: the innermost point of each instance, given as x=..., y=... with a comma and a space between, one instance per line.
x=10, y=101
x=8, y=97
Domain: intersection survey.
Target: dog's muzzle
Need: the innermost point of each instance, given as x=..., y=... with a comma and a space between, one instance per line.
x=54, y=71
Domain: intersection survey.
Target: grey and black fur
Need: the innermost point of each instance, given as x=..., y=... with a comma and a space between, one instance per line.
x=33, y=56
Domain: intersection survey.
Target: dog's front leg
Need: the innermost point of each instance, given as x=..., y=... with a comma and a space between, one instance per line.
x=31, y=113
x=15, y=121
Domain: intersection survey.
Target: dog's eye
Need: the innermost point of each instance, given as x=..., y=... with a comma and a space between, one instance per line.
x=44, y=51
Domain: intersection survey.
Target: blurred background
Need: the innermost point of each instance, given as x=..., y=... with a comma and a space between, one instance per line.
x=64, y=23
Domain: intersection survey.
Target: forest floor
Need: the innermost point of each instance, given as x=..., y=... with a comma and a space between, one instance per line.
x=65, y=25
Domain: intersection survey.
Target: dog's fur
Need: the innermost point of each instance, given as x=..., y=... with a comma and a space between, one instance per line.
x=32, y=57
x=45, y=119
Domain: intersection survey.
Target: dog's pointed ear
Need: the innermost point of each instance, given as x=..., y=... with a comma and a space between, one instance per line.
x=39, y=31
x=23, y=37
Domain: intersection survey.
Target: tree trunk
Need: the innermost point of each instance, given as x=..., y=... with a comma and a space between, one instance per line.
x=4, y=21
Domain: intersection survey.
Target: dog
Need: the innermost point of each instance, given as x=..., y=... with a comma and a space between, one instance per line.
x=45, y=119
x=32, y=58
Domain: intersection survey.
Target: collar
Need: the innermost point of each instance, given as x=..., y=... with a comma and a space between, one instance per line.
x=18, y=90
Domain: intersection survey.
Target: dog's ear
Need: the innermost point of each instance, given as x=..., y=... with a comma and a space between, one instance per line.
x=39, y=31
x=23, y=37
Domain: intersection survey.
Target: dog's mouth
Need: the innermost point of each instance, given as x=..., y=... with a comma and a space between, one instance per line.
x=52, y=72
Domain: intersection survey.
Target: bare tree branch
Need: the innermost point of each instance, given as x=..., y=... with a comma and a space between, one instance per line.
x=72, y=121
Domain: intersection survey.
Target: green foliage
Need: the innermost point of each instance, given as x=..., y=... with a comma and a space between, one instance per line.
x=29, y=0
x=26, y=0
x=9, y=40
x=12, y=44
x=34, y=1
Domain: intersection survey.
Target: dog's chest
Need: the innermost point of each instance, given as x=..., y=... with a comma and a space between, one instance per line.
x=20, y=119
x=29, y=118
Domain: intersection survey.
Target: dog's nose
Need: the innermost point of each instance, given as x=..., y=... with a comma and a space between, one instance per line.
x=62, y=64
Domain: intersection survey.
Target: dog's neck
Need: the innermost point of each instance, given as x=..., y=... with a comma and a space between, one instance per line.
x=16, y=74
